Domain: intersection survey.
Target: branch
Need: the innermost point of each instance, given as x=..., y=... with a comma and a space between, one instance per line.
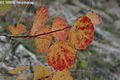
x=30, y=36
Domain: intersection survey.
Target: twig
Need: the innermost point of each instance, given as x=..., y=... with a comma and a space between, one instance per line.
x=22, y=14
x=32, y=36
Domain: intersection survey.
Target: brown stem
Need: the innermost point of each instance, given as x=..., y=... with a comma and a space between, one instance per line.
x=29, y=36
x=44, y=78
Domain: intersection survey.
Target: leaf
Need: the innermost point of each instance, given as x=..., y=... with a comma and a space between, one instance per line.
x=39, y=19
x=59, y=23
x=43, y=42
x=81, y=34
x=84, y=63
x=61, y=55
x=18, y=69
x=4, y=7
x=17, y=29
x=94, y=17
x=62, y=75
x=42, y=73
x=22, y=76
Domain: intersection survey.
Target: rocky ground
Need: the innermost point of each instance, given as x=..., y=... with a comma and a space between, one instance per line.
x=102, y=56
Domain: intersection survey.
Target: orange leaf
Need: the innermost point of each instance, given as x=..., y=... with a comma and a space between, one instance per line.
x=18, y=69
x=81, y=34
x=22, y=76
x=61, y=55
x=59, y=23
x=4, y=8
x=42, y=73
x=39, y=19
x=43, y=42
x=94, y=17
x=17, y=29
x=62, y=75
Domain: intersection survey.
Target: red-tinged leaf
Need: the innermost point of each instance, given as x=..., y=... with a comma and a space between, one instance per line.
x=94, y=17
x=81, y=34
x=61, y=55
x=39, y=19
x=42, y=73
x=17, y=29
x=59, y=23
x=62, y=75
x=18, y=69
x=43, y=42
x=4, y=7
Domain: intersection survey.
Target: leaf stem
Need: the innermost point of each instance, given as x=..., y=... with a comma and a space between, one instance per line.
x=32, y=36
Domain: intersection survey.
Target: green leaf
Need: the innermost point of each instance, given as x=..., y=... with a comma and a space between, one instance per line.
x=84, y=63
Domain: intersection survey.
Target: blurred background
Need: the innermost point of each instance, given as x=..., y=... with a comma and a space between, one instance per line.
x=99, y=61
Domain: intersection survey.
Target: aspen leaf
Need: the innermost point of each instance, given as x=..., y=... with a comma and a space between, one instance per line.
x=43, y=42
x=17, y=29
x=61, y=55
x=81, y=34
x=39, y=19
x=18, y=69
x=94, y=17
x=4, y=7
x=62, y=75
x=22, y=76
x=42, y=73
x=59, y=23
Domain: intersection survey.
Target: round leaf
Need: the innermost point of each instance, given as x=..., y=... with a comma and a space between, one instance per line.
x=43, y=42
x=39, y=19
x=81, y=34
x=59, y=23
x=17, y=29
x=94, y=17
x=42, y=73
x=61, y=55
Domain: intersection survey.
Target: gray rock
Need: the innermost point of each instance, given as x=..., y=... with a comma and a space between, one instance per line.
x=13, y=58
x=3, y=39
x=4, y=49
x=21, y=56
x=113, y=8
x=117, y=25
x=73, y=8
x=60, y=10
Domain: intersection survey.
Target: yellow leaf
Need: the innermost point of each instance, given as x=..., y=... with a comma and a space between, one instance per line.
x=59, y=23
x=42, y=73
x=22, y=76
x=17, y=29
x=61, y=55
x=81, y=34
x=43, y=42
x=94, y=17
x=62, y=75
x=18, y=69
x=39, y=19
x=4, y=7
